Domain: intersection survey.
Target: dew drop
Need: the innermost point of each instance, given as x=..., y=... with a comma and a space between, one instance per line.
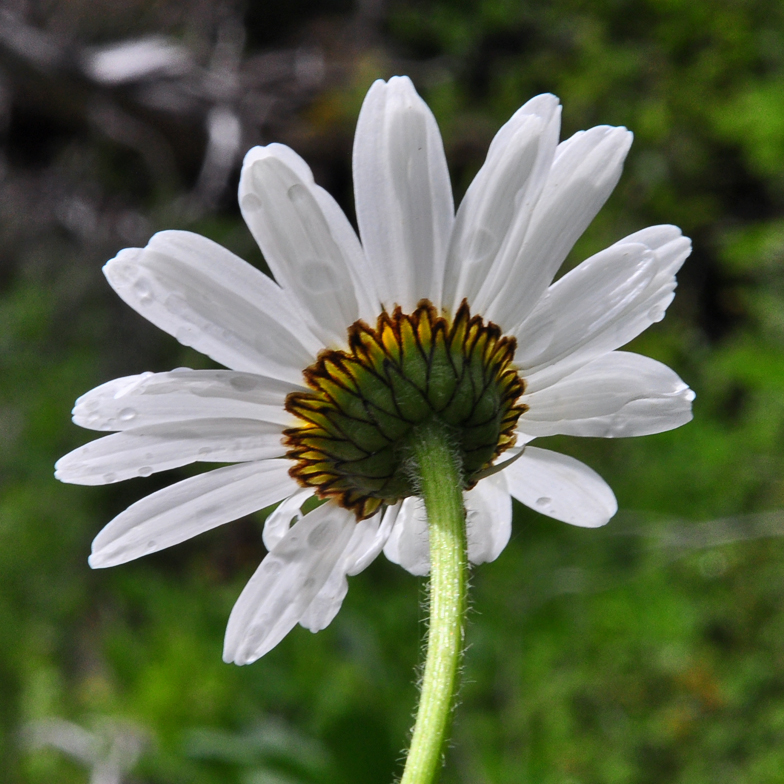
x=544, y=501
x=481, y=246
x=243, y=383
x=92, y=405
x=123, y=273
x=617, y=429
x=656, y=314
x=127, y=414
x=109, y=478
x=152, y=544
x=689, y=395
x=93, y=418
x=143, y=291
x=256, y=636
x=145, y=471
x=297, y=193
x=176, y=304
x=186, y=336
x=273, y=567
x=319, y=536
x=204, y=451
x=250, y=202
x=318, y=277
x=210, y=512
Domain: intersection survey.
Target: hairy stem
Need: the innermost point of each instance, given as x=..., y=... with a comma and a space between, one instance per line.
x=438, y=472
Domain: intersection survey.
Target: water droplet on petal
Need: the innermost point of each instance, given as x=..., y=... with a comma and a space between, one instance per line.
x=318, y=277
x=243, y=383
x=250, y=202
x=544, y=501
x=127, y=414
x=318, y=538
x=255, y=637
x=297, y=193
x=94, y=417
x=656, y=314
x=176, y=304
x=123, y=273
x=617, y=429
x=273, y=567
x=689, y=395
x=145, y=471
x=143, y=291
x=210, y=512
x=204, y=451
x=186, y=336
x=481, y=246
x=109, y=478
x=152, y=544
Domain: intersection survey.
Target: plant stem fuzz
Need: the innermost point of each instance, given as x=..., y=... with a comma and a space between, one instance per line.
x=438, y=474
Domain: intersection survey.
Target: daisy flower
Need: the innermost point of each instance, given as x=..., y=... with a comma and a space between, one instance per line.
x=427, y=316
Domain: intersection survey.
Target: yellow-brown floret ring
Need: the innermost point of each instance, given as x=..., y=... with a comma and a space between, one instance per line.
x=367, y=401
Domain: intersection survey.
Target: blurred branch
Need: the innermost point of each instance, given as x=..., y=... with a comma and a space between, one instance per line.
x=110, y=752
x=152, y=95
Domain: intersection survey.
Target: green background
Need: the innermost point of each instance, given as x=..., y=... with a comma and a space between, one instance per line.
x=651, y=650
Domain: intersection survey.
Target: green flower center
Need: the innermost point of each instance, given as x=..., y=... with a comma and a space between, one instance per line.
x=367, y=403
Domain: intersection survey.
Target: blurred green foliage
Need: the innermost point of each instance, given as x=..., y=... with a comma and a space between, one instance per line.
x=648, y=651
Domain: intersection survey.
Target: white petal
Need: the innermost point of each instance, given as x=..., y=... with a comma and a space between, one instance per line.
x=313, y=252
x=326, y=603
x=161, y=447
x=561, y=487
x=488, y=518
x=278, y=522
x=190, y=507
x=601, y=304
x=502, y=196
x=366, y=542
x=409, y=542
x=488, y=527
x=151, y=399
x=585, y=301
x=210, y=299
x=366, y=547
x=586, y=169
x=619, y=394
x=286, y=582
x=402, y=193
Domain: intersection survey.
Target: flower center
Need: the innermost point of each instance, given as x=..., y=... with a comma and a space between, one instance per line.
x=367, y=403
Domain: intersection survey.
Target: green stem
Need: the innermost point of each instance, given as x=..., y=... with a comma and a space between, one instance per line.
x=438, y=473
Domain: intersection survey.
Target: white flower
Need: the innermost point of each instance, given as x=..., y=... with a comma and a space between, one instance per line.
x=526, y=207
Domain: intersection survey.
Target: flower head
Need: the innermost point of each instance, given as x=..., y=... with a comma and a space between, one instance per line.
x=353, y=346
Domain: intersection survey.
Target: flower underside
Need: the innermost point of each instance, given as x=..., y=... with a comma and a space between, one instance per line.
x=353, y=445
